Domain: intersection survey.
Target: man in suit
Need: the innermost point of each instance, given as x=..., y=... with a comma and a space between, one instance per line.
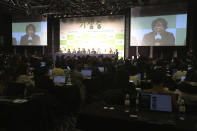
x=30, y=38
x=159, y=36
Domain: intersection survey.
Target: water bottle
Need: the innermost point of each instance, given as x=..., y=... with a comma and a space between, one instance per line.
x=182, y=109
x=69, y=83
x=127, y=103
x=137, y=102
x=144, y=75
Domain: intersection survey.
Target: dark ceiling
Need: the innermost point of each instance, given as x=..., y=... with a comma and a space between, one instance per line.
x=70, y=8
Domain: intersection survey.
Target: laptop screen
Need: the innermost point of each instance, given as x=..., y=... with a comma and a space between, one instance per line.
x=42, y=64
x=87, y=73
x=50, y=72
x=157, y=102
x=59, y=79
x=101, y=69
x=183, y=77
x=139, y=76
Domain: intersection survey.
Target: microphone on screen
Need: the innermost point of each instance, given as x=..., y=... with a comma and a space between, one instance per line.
x=29, y=38
x=158, y=36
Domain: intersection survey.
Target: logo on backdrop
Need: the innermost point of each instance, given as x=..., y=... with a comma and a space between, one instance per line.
x=91, y=24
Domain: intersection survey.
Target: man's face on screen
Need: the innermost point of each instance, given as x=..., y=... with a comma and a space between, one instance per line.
x=30, y=31
x=159, y=28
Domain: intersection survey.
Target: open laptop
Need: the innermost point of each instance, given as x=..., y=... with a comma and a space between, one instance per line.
x=50, y=72
x=59, y=79
x=183, y=77
x=156, y=102
x=87, y=73
x=101, y=68
x=42, y=64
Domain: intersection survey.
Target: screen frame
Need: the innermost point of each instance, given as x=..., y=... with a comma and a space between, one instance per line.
x=29, y=19
x=152, y=10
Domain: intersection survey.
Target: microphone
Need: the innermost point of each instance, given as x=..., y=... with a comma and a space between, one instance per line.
x=29, y=38
x=158, y=36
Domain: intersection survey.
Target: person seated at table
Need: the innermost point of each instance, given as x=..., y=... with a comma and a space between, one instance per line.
x=98, y=51
x=88, y=52
x=111, y=51
x=83, y=51
x=116, y=52
x=157, y=78
x=93, y=51
x=74, y=51
x=58, y=71
x=78, y=51
x=105, y=51
x=69, y=52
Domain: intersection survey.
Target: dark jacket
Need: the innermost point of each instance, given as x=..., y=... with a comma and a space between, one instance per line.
x=35, y=40
x=167, y=39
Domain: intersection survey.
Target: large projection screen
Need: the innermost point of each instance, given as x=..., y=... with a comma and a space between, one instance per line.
x=29, y=33
x=161, y=30
x=102, y=32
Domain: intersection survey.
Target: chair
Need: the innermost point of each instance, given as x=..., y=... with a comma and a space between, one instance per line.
x=15, y=89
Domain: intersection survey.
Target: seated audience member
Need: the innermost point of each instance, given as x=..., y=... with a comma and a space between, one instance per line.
x=78, y=51
x=68, y=51
x=182, y=72
x=188, y=90
x=58, y=71
x=22, y=77
x=1, y=86
x=74, y=51
x=93, y=51
x=42, y=79
x=157, y=77
x=111, y=51
x=133, y=74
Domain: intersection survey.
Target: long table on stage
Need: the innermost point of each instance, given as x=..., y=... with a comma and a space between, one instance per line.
x=80, y=55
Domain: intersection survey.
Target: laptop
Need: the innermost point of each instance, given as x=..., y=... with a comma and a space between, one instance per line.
x=50, y=72
x=189, y=67
x=42, y=64
x=139, y=76
x=101, y=69
x=156, y=102
x=68, y=68
x=87, y=73
x=183, y=77
x=59, y=79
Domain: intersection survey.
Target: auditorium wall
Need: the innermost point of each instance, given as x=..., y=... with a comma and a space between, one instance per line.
x=54, y=42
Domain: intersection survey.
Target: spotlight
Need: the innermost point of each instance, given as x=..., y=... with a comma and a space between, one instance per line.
x=13, y=2
x=65, y=15
x=102, y=2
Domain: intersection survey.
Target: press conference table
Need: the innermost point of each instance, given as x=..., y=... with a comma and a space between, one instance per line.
x=95, y=117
